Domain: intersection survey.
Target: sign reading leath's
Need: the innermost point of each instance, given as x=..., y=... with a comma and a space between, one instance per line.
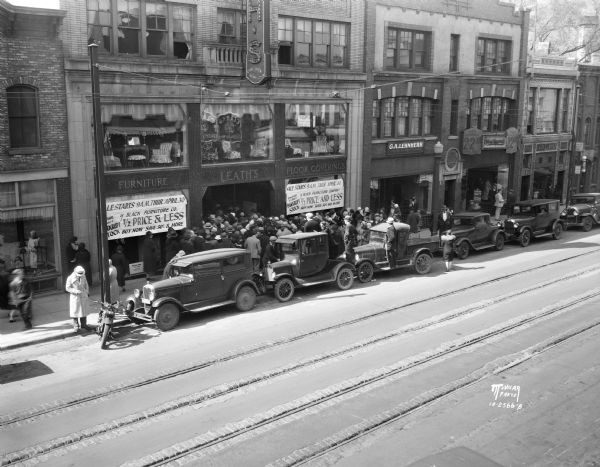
x=314, y=196
x=405, y=146
x=132, y=217
x=258, y=58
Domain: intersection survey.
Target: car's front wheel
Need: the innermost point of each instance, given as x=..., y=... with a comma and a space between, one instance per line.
x=557, y=230
x=365, y=272
x=462, y=250
x=344, y=279
x=499, y=244
x=167, y=316
x=284, y=289
x=245, y=298
x=525, y=238
x=423, y=263
x=587, y=224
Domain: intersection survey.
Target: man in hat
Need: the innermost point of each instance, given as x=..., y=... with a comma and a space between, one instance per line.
x=350, y=238
x=79, y=290
x=21, y=295
x=498, y=201
x=313, y=223
x=390, y=244
x=271, y=255
x=252, y=244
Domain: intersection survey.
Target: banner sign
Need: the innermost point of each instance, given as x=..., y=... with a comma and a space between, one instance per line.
x=133, y=217
x=408, y=146
x=258, y=58
x=314, y=196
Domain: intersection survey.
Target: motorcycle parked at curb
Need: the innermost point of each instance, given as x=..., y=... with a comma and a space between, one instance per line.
x=106, y=318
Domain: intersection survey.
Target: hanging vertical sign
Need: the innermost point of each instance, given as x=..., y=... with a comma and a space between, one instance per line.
x=258, y=58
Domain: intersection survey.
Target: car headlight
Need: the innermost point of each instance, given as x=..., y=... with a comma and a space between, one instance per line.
x=564, y=212
x=515, y=224
x=356, y=258
x=137, y=293
x=575, y=212
x=294, y=262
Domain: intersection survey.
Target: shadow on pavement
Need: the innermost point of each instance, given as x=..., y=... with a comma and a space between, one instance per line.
x=23, y=370
x=126, y=337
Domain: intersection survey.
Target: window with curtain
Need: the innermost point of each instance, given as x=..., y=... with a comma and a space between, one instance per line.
x=375, y=118
x=493, y=56
x=23, y=116
x=312, y=43
x=406, y=116
x=565, y=110
x=547, y=110
x=148, y=28
x=315, y=130
x=232, y=26
x=491, y=114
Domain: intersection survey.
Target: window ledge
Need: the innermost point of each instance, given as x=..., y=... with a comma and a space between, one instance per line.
x=19, y=151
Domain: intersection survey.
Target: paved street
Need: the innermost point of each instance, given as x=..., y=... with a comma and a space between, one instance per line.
x=385, y=373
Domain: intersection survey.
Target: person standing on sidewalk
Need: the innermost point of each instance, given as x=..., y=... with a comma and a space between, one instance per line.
x=114, y=285
x=120, y=262
x=21, y=296
x=79, y=290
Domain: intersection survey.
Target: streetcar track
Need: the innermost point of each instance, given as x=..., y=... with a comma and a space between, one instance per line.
x=181, y=450
x=115, y=428
x=57, y=407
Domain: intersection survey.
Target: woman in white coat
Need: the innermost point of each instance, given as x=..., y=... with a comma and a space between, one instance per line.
x=79, y=290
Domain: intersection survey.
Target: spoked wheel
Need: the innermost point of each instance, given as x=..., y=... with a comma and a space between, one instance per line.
x=462, y=251
x=557, y=231
x=245, y=299
x=587, y=224
x=525, y=238
x=167, y=316
x=284, y=289
x=365, y=272
x=344, y=279
x=105, y=333
x=499, y=245
x=423, y=263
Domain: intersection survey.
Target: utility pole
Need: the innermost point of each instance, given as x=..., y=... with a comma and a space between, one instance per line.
x=102, y=240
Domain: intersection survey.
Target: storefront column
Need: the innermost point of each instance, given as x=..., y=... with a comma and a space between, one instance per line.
x=438, y=149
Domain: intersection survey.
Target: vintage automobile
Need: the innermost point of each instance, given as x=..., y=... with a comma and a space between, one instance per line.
x=415, y=252
x=194, y=283
x=305, y=262
x=582, y=211
x=532, y=219
x=476, y=231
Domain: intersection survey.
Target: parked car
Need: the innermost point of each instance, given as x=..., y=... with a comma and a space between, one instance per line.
x=305, y=262
x=582, y=211
x=410, y=252
x=532, y=219
x=476, y=231
x=195, y=283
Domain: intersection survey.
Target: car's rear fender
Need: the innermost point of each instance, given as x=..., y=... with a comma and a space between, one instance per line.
x=416, y=253
x=241, y=284
x=343, y=264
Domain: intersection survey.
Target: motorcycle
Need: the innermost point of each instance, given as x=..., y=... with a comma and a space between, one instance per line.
x=106, y=318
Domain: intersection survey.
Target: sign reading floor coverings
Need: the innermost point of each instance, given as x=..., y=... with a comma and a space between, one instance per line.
x=314, y=196
x=133, y=217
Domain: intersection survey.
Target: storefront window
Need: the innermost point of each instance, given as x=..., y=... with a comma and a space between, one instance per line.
x=27, y=230
x=315, y=130
x=149, y=143
x=545, y=121
x=236, y=132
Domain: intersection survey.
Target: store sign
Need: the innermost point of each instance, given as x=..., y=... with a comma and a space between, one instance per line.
x=312, y=167
x=258, y=58
x=314, y=196
x=546, y=147
x=579, y=146
x=494, y=141
x=133, y=217
x=472, y=141
x=405, y=146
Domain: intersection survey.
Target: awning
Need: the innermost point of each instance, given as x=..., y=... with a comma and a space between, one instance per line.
x=23, y=214
x=171, y=112
x=156, y=125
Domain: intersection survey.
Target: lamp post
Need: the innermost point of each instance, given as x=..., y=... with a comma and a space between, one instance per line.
x=102, y=234
x=438, y=150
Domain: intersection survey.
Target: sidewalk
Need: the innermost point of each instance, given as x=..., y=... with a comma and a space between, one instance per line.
x=51, y=317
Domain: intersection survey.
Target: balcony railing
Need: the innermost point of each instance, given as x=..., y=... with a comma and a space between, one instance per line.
x=225, y=54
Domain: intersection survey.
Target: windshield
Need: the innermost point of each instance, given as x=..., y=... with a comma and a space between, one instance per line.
x=376, y=236
x=582, y=200
x=522, y=209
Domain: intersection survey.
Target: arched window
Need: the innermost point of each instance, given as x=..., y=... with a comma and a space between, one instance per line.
x=23, y=116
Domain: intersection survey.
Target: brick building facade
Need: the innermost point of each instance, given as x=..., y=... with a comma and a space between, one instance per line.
x=35, y=193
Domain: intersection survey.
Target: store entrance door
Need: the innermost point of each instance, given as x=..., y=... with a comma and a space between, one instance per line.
x=245, y=196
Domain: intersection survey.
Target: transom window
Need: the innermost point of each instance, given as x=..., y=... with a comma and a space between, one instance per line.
x=141, y=27
x=307, y=42
x=493, y=56
x=491, y=114
x=406, y=49
x=232, y=26
x=404, y=116
x=23, y=116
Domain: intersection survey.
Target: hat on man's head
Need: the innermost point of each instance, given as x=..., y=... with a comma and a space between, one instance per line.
x=272, y=238
x=309, y=215
x=390, y=220
x=218, y=237
x=79, y=270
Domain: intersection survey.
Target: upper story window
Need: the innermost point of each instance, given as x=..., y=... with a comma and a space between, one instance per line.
x=454, y=50
x=141, y=27
x=565, y=110
x=491, y=114
x=232, y=26
x=547, y=111
x=587, y=132
x=23, y=117
x=308, y=42
x=493, y=56
x=406, y=116
x=406, y=49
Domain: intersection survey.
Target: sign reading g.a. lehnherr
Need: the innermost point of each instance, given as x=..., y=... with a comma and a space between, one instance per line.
x=405, y=146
